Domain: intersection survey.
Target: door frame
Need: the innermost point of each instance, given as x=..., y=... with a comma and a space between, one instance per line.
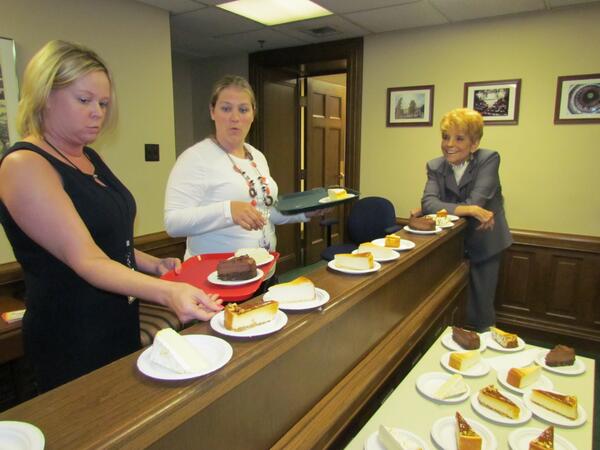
x=311, y=60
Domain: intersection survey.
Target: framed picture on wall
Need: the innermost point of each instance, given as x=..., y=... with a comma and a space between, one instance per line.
x=578, y=99
x=497, y=101
x=9, y=93
x=410, y=106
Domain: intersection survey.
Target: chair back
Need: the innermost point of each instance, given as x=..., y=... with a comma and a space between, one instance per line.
x=369, y=218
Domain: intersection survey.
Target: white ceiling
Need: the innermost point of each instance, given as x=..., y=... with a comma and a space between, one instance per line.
x=200, y=29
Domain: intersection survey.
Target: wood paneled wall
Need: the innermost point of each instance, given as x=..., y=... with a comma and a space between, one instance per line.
x=549, y=287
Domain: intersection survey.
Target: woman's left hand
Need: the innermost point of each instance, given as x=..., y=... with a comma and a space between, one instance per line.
x=165, y=265
x=319, y=212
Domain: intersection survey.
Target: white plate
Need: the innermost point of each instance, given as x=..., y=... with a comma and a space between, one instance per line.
x=430, y=382
x=444, y=434
x=520, y=439
x=373, y=443
x=395, y=255
x=215, y=351
x=450, y=343
x=543, y=382
x=328, y=200
x=261, y=262
x=552, y=417
x=451, y=217
x=524, y=414
x=376, y=267
x=321, y=297
x=217, y=323
x=410, y=230
x=576, y=369
x=405, y=244
x=20, y=436
x=478, y=370
x=491, y=343
x=214, y=279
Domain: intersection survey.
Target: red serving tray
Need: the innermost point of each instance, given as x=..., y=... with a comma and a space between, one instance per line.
x=195, y=271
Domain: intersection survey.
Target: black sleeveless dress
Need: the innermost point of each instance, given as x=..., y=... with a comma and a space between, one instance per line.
x=70, y=327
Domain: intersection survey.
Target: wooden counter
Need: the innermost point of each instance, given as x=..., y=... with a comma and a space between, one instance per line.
x=299, y=387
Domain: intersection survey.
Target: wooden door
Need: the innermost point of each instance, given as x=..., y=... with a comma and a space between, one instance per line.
x=278, y=107
x=324, y=155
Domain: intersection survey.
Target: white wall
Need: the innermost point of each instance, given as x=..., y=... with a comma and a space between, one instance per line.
x=135, y=41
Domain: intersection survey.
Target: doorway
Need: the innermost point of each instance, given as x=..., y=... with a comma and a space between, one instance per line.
x=280, y=78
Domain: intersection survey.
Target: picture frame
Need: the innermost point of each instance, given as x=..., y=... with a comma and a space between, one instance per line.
x=410, y=106
x=497, y=101
x=577, y=99
x=9, y=94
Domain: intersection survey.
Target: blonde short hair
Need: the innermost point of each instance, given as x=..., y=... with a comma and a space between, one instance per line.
x=232, y=81
x=56, y=65
x=466, y=120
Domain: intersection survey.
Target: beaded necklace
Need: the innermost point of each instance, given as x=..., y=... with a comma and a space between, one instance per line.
x=266, y=190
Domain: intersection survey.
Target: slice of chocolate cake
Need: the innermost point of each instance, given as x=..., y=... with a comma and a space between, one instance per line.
x=469, y=340
x=561, y=355
x=421, y=223
x=236, y=269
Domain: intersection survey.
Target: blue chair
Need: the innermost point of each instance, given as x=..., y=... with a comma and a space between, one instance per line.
x=370, y=218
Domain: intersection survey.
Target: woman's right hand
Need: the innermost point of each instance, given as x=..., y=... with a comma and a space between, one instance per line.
x=191, y=303
x=246, y=216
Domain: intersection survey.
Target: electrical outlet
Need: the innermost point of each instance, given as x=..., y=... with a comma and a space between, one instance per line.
x=151, y=152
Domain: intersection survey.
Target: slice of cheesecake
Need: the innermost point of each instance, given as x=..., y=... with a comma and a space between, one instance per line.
x=337, y=193
x=393, y=440
x=299, y=290
x=174, y=352
x=545, y=441
x=392, y=240
x=521, y=377
x=504, y=339
x=466, y=437
x=356, y=261
x=492, y=398
x=377, y=251
x=464, y=360
x=453, y=386
x=565, y=405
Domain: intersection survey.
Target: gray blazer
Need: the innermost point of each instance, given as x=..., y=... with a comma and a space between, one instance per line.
x=480, y=185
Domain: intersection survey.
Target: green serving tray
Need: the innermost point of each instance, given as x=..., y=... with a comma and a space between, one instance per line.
x=306, y=201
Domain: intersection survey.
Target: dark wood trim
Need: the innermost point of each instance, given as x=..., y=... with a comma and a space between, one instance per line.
x=546, y=239
x=311, y=60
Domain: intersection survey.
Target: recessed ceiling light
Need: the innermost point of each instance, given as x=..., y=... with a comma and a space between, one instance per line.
x=275, y=12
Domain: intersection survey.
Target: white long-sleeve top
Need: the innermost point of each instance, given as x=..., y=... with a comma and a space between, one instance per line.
x=200, y=189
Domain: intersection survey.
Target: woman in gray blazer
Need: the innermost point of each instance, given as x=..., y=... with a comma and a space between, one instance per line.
x=465, y=182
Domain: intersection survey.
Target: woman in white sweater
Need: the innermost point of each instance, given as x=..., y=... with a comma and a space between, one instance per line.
x=220, y=194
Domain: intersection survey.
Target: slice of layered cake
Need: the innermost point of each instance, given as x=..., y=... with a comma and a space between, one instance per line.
x=545, y=441
x=392, y=241
x=466, y=437
x=299, y=290
x=561, y=355
x=174, y=352
x=392, y=439
x=521, y=377
x=469, y=340
x=464, y=360
x=504, y=339
x=242, y=317
x=565, y=405
x=492, y=398
x=237, y=268
x=453, y=386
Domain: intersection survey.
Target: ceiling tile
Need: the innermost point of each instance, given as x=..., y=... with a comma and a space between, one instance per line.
x=410, y=15
x=210, y=22
x=457, y=10
x=347, y=6
x=174, y=6
x=342, y=29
